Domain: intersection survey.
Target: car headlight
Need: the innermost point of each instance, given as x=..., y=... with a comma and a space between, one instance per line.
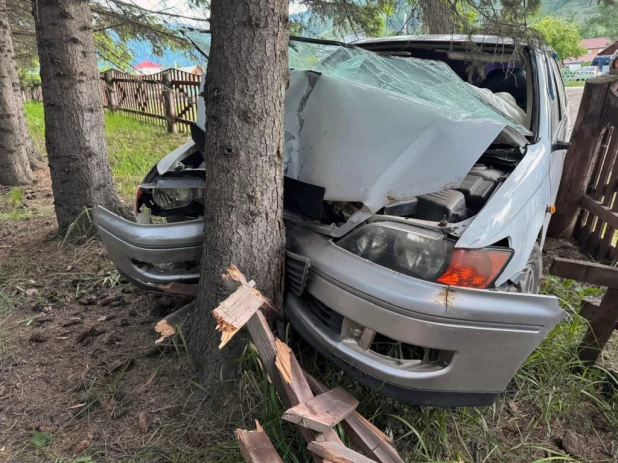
x=418, y=252
x=426, y=254
x=172, y=198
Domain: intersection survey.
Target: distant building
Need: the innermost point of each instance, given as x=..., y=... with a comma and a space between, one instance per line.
x=193, y=69
x=593, y=48
x=147, y=68
x=613, y=48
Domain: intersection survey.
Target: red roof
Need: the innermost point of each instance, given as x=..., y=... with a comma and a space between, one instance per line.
x=147, y=64
x=598, y=42
x=594, y=45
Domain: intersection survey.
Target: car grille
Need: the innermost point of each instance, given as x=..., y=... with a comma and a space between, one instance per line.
x=330, y=319
x=296, y=271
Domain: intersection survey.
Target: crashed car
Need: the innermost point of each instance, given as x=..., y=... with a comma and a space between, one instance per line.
x=417, y=195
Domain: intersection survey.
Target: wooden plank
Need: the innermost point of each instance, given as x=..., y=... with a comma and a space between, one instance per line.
x=297, y=390
x=595, y=274
x=365, y=435
x=324, y=411
x=602, y=326
x=579, y=160
x=602, y=212
x=256, y=447
x=264, y=341
x=337, y=453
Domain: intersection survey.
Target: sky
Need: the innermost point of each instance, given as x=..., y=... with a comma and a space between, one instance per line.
x=143, y=52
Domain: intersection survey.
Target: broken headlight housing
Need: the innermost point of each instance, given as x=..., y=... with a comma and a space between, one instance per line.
x=176, y=198
x=414, y=251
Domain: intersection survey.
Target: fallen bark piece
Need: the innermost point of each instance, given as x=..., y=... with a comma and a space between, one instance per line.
x=256, y=447
x=337, y=452
x=324, y=411
x=143, y=420
x=167, y=327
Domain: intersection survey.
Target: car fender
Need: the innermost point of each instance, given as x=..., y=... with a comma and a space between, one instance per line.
x=517, y=211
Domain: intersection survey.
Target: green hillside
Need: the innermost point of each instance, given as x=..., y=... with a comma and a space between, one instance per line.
x=576, y=9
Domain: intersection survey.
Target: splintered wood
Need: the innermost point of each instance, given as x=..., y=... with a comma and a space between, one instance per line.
x=233, y=313
x=337, y=453
x=323, y=411
x=316, y=416
x=167, y=327
x=256, y=447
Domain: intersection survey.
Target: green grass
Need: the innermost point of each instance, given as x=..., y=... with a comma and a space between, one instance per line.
x=133, y=146
x=579, y=83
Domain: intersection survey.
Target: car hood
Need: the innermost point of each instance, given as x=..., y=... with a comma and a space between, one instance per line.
x=366, y=143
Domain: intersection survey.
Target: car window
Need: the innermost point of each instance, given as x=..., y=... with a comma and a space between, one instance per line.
x=553, y=97
x=562, y=101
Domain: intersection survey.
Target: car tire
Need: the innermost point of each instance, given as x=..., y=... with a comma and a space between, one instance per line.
x=531, y=281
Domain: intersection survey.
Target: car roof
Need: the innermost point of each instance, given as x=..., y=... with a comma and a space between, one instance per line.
x=488, y=39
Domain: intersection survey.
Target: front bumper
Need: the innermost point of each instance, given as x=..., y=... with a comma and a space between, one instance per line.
x=468, y=343
x=471, y=342
x=154, y=255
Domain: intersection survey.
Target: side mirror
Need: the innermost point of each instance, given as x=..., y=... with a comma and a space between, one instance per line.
x=560, y=145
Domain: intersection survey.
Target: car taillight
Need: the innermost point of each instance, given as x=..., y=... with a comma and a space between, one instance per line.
x=475, y=268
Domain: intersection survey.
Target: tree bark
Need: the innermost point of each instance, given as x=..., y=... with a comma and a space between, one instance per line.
x=243, y=217
x=34, y=158
x=438, y=16
x=14, y=166
x=74, y=119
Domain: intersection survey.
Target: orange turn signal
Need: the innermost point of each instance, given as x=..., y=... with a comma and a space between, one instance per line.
x=475, y=268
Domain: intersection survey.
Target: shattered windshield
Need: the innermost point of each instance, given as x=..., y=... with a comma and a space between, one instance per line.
x=427, y=81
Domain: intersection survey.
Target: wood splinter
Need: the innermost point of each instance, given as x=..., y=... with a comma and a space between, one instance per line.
x=324, y=411
x=234, y=312
x=256, y=447
x=167, y=326
x=336, y=452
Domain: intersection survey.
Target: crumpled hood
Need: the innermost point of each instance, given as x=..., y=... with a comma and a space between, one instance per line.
x=373, y=146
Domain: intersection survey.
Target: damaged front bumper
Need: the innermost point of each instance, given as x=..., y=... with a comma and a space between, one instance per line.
x=416, y=341
x=413, y=340
x=154, y=255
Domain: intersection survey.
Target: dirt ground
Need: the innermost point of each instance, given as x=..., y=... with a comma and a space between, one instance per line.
x=77, y=356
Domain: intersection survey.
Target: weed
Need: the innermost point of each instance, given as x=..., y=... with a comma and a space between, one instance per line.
x=16, y=196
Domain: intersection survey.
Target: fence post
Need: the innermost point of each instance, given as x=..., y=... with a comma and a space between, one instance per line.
x=110, y=90
x=580, y=157
x=168, y=101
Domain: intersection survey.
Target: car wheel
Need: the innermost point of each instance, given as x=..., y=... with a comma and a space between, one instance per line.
x=533, y=270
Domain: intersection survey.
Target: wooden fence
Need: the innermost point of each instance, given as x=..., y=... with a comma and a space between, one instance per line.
x=168, y=98
x=587, y=204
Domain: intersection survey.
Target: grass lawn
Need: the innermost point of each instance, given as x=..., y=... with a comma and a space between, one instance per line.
x=133, y=146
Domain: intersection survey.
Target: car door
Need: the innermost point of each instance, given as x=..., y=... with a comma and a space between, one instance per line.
x=560, y=124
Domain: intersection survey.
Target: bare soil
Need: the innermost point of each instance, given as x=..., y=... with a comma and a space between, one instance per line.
x=78, y=360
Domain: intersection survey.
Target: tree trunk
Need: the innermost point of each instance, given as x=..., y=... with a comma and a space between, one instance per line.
x=74, y=119
x=243, y=217
x=14, y=166
x=34, y=157
x=438, y=16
